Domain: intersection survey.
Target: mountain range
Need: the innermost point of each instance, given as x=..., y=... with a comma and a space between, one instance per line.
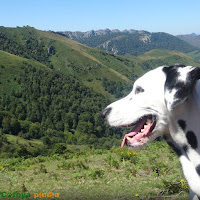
x=130, y=42
x=53, y=88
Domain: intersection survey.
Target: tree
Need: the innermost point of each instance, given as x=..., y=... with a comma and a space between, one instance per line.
x=11, y=125
x=6, y=125
x=46, y=140
x=15, y=126
x=34, y=131
x=59, y=148
x=82, y=126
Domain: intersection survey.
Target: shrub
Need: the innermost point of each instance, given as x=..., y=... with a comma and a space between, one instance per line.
x=59, y=148
x=126, y=155
x=172, y=187
x=97, y=173
x=112, y=162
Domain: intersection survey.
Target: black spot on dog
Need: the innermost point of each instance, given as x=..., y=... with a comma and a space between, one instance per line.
x=185, y=148
x=198, y=169
x=172, y=76
x=183, y=88
x=192, y=140
x=182, y=124
x=105, y=112
x=139, y=90
x=175, y=148
x=172, y=82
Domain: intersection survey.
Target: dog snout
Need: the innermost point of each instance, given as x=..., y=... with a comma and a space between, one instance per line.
x=105, y=112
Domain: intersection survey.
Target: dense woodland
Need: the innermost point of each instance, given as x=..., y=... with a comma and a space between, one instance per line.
x=55, y=108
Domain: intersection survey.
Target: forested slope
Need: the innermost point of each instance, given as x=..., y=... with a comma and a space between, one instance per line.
x=52, y=90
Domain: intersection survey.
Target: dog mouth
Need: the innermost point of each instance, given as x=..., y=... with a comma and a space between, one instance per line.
x=141, y=132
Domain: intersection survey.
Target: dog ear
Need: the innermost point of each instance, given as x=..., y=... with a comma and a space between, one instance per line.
x=180, y=81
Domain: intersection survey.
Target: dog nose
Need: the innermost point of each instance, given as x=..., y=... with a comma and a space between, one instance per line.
x=105, y=112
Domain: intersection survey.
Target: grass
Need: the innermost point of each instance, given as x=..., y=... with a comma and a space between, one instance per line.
x=168, y=57
x=13, y=139
x=151, y=173
x=195, y=54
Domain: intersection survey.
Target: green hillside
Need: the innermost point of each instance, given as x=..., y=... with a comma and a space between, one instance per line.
x=37, y=102
x=195, y=54
x=163, y=57
x=63, y=54
x=53, y=88
x=87, y=64
x=192, y=39
x=10, y=69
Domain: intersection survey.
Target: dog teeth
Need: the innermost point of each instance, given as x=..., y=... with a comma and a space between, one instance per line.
x=142, y=130
x=149, y=121
x=128, y=138
x=145, y=126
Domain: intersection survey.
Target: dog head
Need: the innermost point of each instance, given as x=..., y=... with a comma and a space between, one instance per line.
x=153, y=98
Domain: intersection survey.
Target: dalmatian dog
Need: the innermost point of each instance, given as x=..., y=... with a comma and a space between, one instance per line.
x=164, y=102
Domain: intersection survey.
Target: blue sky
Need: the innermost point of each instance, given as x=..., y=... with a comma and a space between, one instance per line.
x=171, y=16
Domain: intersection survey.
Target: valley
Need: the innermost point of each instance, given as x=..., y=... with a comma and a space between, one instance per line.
x=53, y=89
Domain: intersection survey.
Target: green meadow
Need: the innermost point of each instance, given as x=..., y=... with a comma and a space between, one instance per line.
x=83, y=173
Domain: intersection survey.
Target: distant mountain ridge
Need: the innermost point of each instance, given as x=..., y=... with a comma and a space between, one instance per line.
x=78, y=34
x=192, y=39
x=129, y=42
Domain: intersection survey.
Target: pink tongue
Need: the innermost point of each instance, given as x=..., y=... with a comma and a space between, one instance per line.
x=135, y=135
x=131, y=134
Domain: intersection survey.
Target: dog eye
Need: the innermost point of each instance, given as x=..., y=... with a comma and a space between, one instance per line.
x=139, y=90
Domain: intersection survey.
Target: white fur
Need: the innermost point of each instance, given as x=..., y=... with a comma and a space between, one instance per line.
x=183, y=73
